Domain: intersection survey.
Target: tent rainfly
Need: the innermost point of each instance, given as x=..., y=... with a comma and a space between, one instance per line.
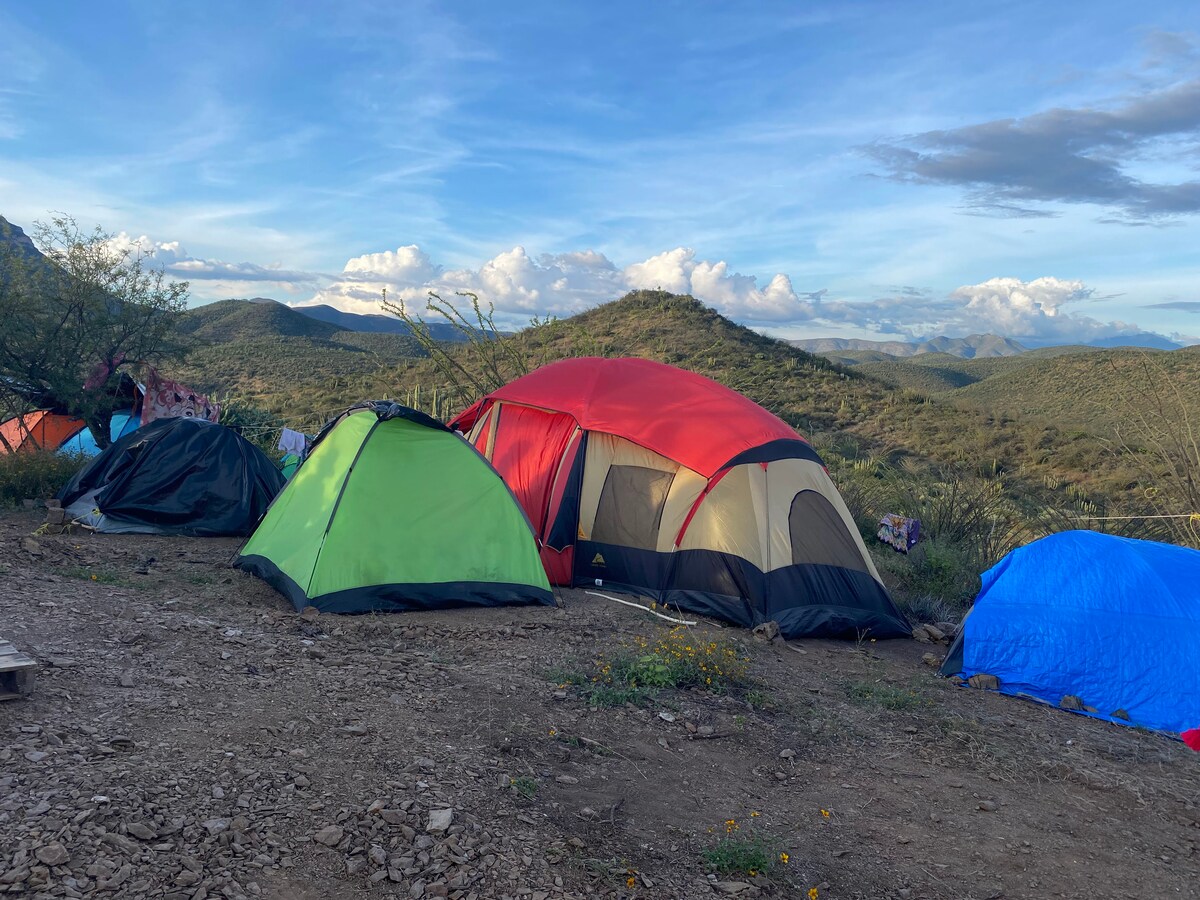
x=393, y=511
x=653, y=479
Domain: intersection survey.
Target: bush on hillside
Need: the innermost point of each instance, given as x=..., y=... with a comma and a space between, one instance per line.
x=969, y=521
x=257, y=425
x=35, y=476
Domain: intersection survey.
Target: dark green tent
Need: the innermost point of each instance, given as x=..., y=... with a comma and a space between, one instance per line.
x=393, y=511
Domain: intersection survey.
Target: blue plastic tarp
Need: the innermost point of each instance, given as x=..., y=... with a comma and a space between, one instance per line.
x=1113, y=621
x=85, y=442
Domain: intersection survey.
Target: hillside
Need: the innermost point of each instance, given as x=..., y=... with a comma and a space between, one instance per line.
x=269, y=354
x=943, y=373
x=1091, y=390
x=228, y=321
x=372, y=323
x=14, y=239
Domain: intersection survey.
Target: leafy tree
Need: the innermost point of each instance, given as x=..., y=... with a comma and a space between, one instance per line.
x=77, y=316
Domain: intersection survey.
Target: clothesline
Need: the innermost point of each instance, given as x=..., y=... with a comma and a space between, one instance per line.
x=1193, y=516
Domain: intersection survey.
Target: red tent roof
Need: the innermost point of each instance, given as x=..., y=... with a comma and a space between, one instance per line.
x=678, y=414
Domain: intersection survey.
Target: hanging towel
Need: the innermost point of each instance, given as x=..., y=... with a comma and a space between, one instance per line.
x=292, y=442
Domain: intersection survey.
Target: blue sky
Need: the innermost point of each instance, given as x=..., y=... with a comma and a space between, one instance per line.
x=856, y=169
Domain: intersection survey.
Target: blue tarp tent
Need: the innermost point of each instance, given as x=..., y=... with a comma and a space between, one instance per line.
x=1113, y=621
x=84, y=442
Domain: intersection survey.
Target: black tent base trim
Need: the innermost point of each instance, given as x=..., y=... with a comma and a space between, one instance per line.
x=397, y=597
x=728, y=587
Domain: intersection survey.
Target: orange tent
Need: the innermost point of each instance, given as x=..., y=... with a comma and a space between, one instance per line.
x=41, y=430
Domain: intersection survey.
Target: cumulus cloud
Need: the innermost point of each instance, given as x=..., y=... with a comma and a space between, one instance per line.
x=1074, y=155
x=521, y=285
x=176, y=261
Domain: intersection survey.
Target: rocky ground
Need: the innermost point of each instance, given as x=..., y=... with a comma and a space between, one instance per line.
x=192, y=737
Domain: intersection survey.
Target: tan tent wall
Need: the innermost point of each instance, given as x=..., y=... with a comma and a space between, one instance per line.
x=787, y=477
x=729, y=519
x=605, y=451
x=756, y=500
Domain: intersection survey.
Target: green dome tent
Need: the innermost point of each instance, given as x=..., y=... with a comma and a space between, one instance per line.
x=393, y=511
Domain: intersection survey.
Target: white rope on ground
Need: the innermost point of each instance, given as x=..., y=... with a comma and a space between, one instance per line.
x=642, y=608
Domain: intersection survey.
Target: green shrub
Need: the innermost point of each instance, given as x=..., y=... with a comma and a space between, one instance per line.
x=35, y=476
x=679, y=659
x=739, y=852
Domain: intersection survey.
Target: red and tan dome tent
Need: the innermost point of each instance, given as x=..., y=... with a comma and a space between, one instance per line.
x=646, y=477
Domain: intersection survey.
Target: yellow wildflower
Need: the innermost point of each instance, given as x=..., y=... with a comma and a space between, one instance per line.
x=812, y=893
x=783, y=858
x=630, y=881
x=825, y=813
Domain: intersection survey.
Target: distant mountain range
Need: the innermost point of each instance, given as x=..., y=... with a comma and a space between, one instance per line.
x=970, y=347
x=372, y=323
x=974, y=346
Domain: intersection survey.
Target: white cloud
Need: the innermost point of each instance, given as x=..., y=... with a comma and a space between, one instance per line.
x=405, y=265
x=521, y=285
x=231, y=278
x=1018, y=308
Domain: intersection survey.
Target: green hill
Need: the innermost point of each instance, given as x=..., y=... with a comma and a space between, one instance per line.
x=237, y=320
x=919, y=377
x=1089, y=390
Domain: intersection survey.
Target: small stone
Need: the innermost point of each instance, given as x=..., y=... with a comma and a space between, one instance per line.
x=439, y=820
x=357, y=729
x=567, y=779
x=377, y=855
x=218, y=792
x=732, y=887
x=787, y=754
x=53, y=854
x=126, y=679
x=310, y=614
x=330, y=835
x=141, y=832
x=984, y=682
x=36, y=755
x=987, y=805
x=931, y=660
x=1070, y=701
x=767, y=631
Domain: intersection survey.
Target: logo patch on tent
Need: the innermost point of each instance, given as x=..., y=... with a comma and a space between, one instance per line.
x=597, y=560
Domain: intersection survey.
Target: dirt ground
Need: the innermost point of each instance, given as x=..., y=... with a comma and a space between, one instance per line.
x=191, y=736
